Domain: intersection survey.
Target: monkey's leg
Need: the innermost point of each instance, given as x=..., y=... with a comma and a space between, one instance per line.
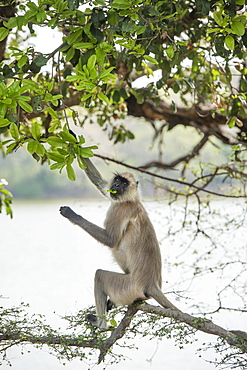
x=100, y=298
x=119, y=287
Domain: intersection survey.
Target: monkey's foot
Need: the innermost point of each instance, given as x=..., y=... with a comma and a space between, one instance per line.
x=92, y=319
x=96, y=322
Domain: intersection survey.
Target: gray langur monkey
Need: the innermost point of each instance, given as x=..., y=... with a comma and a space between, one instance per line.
x=130, y=235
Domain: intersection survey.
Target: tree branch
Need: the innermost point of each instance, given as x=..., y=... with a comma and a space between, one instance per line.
x=10, y=338
x=202, y=120
x=201, y=324
x=119, y=331
x=186, y=158
x=181, y=182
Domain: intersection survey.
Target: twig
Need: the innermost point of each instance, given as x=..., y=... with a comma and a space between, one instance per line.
x=186, y=158
x=181, y=182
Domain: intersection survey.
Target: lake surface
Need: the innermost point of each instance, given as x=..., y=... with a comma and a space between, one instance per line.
x=50, y=264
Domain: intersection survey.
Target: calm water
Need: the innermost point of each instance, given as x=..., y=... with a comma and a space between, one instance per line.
x=50, y=264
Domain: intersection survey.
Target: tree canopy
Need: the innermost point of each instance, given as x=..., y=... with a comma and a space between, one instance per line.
x=197, y=48
x=194, y=55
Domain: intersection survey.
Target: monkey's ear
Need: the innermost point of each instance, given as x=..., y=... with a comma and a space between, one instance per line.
x=137, y=182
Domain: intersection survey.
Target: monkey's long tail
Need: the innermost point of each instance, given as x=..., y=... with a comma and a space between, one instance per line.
x=157, y=294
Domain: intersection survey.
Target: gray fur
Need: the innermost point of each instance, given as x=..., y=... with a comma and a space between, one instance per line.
x=129, y=233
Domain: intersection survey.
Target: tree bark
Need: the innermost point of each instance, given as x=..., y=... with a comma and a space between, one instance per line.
x=203, y=120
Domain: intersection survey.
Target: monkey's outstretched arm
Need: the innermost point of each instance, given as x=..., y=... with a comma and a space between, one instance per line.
x=95, y=231
x=95, y=177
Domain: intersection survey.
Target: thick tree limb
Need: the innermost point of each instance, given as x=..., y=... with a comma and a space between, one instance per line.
x=234, y=338
x=194, y=117
x=201, y=324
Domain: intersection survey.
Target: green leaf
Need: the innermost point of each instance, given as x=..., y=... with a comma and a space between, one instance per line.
x=150, y=59
x=112, y=17
x=100, y=2
x=73, y=78
x=35, y=129
x=69, y=54
x=81, y=139
x=56, y=166
x=74, y=36
x=55, y=141
x=41, y=16
x=91, y=62
x=32, y=146
x=203, y=6
x=140, y=29
x=243, y=84
x=40, y=61
x=170, y=52
x=4, y=122
x=87, y=152
x=81, y=163
x=30, y=84
x=11, y=147
x=3, y=33
x=3, y=88
x=40, y=149
x=6, y=101
x=103, y=97
x=22, y=97
x=218, y=18
x=22, y=61
x=238, y=28
x=229, y=42
x=25, y=106
x=86, y=97
x=120, y=4
x=70, y=172
x=113, y=323
x=12, y=22
x=66, y=136
x=54, y=156
x=83, y=45
x=105, y=72
x=14, y=131
x=231, y=122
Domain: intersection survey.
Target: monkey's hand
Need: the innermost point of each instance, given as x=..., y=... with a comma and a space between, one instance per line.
x=69, y=213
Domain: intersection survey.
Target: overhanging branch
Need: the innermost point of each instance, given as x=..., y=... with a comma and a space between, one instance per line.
x=206, y=121
x=191, y=185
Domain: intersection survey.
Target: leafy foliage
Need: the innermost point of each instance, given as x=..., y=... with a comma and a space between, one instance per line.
x=104, y=43
x=5, y=198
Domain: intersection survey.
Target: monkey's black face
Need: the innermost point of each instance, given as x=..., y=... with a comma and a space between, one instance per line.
x=119, y=186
